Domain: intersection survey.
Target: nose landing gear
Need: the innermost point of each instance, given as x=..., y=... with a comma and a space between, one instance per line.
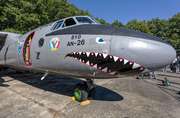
x=84, y=91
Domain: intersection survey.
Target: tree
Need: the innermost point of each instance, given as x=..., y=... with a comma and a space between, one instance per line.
x=152, y=26
x=20, y=15
x=160, y=28
x=102, y=21
x=175, y=23
x=175, y=30
x=117, y=23
x=138, y=26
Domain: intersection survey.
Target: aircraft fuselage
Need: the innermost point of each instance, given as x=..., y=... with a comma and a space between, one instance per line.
x=70, y=47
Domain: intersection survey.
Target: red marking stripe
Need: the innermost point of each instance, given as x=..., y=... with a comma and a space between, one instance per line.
x=108, y=71
x=99, y=68
x=142, y=67
x=92, y=53
x=71, y=53
x=131, y=62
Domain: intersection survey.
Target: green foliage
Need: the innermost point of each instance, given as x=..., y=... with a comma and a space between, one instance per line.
x=175, y=31
x=19, y=15
x=175, y=23
x=138, y=26
x=168, y=30
x=117, y=23
x=102, y=21
x=159, y=28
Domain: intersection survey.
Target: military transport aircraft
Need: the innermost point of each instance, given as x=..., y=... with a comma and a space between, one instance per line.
x=80, y=46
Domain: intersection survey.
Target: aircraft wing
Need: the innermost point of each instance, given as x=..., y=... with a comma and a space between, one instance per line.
x=3, y=36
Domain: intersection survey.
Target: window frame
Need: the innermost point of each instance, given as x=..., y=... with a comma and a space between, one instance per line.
x=56, y=25
x=92, y=22
x=65, y=25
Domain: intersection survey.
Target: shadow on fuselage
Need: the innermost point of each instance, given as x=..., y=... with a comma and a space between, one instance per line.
x=62, y=85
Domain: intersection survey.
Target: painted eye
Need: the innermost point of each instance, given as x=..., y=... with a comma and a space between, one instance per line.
x=100, y=40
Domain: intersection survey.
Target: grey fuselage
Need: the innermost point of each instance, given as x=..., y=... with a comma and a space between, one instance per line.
x=86, y=50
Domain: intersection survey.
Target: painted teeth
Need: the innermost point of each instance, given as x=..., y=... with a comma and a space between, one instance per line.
x=136, y=66
x=125, y=61
x=145, y=71
x=95, y=66
x=87, y=60
x=112, y=73
x=96, y=54
x=104, y=55
x=115, y=59
x=105, y=70
x=87, y=54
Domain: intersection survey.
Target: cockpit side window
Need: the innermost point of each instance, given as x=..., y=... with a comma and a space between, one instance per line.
x=57, y=25
x=84, y=20
x=95, y=21
x=70, y=22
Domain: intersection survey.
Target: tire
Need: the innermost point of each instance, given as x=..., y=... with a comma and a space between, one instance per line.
x=80, y=92
x=91, y=93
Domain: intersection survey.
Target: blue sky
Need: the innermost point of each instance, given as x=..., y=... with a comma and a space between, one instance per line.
x=126, y=10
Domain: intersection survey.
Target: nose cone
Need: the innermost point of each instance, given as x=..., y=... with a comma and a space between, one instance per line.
x=146, y=50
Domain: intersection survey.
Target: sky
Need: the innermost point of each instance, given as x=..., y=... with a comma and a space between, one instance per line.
x=126, y=10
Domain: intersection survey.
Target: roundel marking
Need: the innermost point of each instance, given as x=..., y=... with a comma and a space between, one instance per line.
x=54, y=43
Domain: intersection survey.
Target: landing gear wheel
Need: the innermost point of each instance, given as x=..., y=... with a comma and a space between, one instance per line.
x=91, y=93
x=80, y=92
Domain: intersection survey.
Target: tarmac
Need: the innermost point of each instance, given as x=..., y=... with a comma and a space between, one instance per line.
x=27, y=96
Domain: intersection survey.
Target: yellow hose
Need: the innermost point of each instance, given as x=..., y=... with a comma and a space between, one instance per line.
x=85, y=102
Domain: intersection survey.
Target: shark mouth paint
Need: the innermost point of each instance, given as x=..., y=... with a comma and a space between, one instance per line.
x=110, y=64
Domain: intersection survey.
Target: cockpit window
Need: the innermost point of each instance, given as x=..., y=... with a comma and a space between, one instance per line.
x=95, y=21
x=84, y=20
x=70, y=22
x=57, y=25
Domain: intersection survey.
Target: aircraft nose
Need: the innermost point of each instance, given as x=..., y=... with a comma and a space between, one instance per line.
x=150, y=52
